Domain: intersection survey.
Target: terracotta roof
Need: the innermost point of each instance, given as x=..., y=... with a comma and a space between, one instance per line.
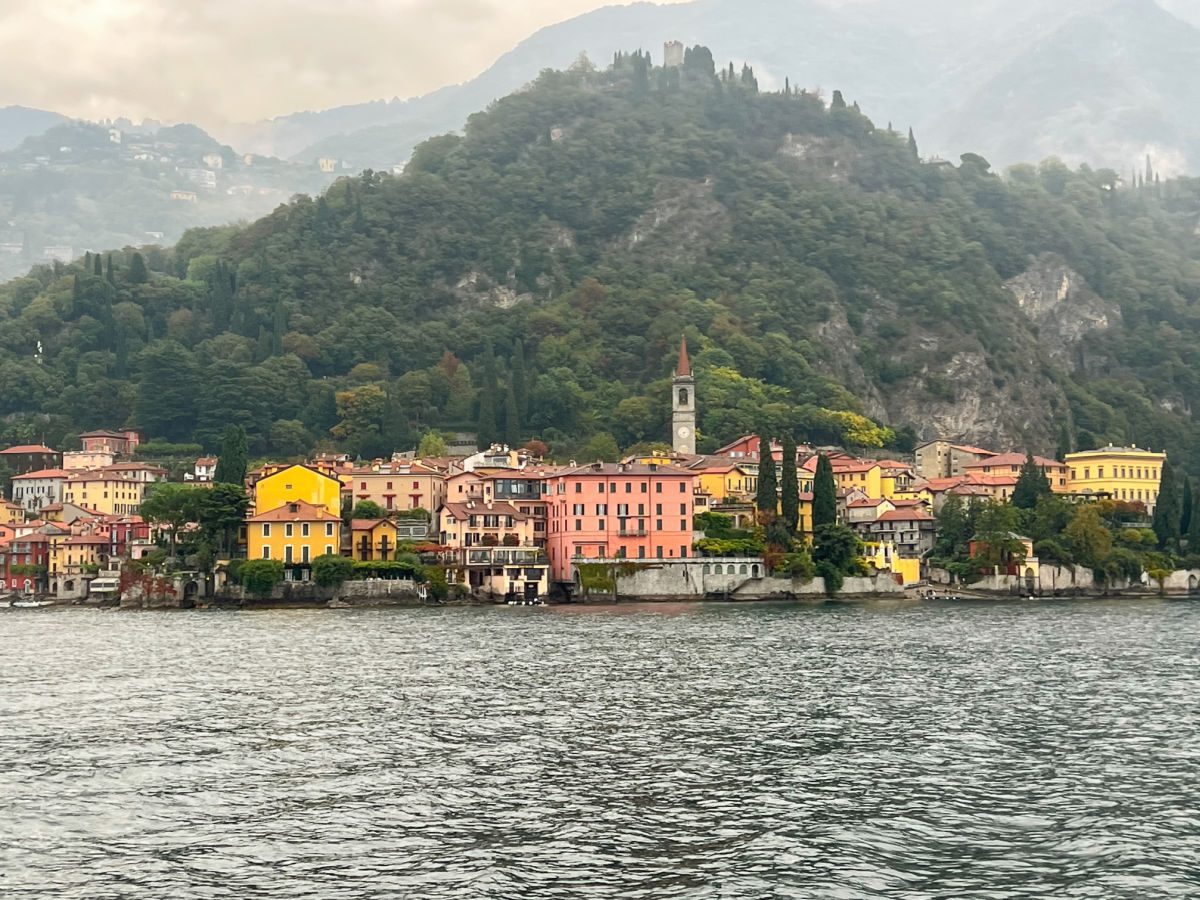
x=280, y=471
x=683, y=368
x=1013, y=459
x=78, y=539
x=619, y=469
x=104, y=433
x=967, y=448
x=903, y=515
x=44, y=473
x=30, y=448
x=303, y=512
x=463, y=511
x=369, y=524
x=206, y=461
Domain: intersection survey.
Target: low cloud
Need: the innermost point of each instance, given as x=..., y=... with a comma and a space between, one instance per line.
x=220, y=61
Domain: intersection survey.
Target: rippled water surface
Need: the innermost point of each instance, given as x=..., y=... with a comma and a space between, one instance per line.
x=958, y=751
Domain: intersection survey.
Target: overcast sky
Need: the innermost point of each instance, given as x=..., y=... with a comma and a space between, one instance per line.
x=241, y=60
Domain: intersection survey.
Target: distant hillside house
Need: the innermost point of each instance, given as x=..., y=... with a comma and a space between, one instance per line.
x=213, y=160
x=184, y=196
x=118, y=443
x=25, y=458
x=327, y=164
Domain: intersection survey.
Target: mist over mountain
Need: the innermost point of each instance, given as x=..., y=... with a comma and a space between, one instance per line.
x=20, y=122
x=1087, y=80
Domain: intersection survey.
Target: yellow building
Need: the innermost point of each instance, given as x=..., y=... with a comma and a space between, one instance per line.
x=882, y=557
x=373, y=540
x=727, y=483
x=294, y=533
x=108, y=493
x=1128, y=474
x=298, y=484
x=11, y=513
x=396, y=485
x=894, y=478
x=851, y=474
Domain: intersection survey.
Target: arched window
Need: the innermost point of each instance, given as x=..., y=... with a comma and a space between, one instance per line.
x=718, y=570
x=707, y=569
x=754, y=571
x=683, y=396
x=743, y=571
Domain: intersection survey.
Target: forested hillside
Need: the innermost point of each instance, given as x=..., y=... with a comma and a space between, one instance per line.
x=535, y=276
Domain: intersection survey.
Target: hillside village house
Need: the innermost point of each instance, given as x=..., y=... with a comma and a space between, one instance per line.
x=523, y=488
x=34, y=490
x=295, y=533
x=1010, y=465
x=87, y=459
x=911, y=530
x=1130, y=474
x=405, y=485
x=489, y=547
x=116, y=490
x=10, y=512
x=618, y=511
x=946, y=459
x=298, y=483
x=118, y=443
x=25, y=458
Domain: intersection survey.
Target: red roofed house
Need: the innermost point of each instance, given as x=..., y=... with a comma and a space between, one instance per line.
x=24, y=563
x=491, y=549
x=43, y=487
x=1010, y=465
x=913, y=531
x=118, y=443
x=25, y=458
x=860, y=512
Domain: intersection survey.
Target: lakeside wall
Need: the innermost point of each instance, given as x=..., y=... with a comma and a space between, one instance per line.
x=737, y=579
x=1054, y=580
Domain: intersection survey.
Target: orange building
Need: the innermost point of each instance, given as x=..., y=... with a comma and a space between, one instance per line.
x=618, y=511
x=1007, y=465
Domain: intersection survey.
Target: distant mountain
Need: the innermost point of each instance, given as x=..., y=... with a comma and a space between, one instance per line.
x=1088, y=80
x=1111, y=87
x=81, y=186
x=20, y=122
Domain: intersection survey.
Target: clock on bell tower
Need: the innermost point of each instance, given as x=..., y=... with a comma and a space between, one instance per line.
x=683, y=404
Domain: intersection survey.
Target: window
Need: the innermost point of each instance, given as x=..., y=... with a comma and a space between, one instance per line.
x=683, y=396
x=658, y=509
x=602, y=509
x=683, y=525
x=645, y=487
x=266, y=552
x=658, y=487
x=602, y=487
x=266, y=529
x=304, y=530
x=304, y=553
x=658, y=552
x=579, y=487
x=683, y=509
x=641, y=552
x=287, y=553
x=641, y=509
x=601, y=526
x=362, y=486
x=1100, y=472
x=328, y=529
x=329, y=550
x=287, y=530
x=682, y=487
x=629, y=487
x=658, y=525
x=577, y=509
x=579, y=525
x=612, y=488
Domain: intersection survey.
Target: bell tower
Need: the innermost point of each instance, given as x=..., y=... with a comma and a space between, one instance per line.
x=683, y=404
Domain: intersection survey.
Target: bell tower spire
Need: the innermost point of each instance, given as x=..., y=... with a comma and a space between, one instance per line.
x=683, y=404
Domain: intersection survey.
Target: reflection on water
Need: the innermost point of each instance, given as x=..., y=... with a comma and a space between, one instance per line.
x=960, y=751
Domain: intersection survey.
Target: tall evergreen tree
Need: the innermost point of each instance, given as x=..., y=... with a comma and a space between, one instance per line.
x=1064, y=442
x=1193, y=532
x=137, y=270
x=824, y=494
x=912, y=145
x=1168, y=509
x=97, y=266
x=1185, y=517
x=234, y=456
x=512, y=419
x=1032, y=484
x=519, y=378
x=767, y=497
x=489, y=389
x=109, y=274
x=789, y=486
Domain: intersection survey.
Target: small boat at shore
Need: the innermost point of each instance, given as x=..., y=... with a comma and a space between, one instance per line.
x=27, y=604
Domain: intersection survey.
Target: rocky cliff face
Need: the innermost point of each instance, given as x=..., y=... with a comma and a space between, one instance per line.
x=1062, y=306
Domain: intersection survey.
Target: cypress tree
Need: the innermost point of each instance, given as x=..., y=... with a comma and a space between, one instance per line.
x=912, y=145
x=1193, y=532
x=519, y=378
x=838, y=102
x=1185, y=518
x=488, y=390
x=112, y=278
x=1064, y=442
x=76, y=298
x=1032, y=485
x=1168, y=509
x=97, y=266
x=137, y=270
x=231, y=463
x=824, y=494
x=512, y=418
x=789, y=486
x=767, y=498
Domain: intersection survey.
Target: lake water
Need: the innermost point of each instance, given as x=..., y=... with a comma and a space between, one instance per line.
x=1031, y=750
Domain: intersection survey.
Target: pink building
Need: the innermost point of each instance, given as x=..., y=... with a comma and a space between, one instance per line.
x=618, y=511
